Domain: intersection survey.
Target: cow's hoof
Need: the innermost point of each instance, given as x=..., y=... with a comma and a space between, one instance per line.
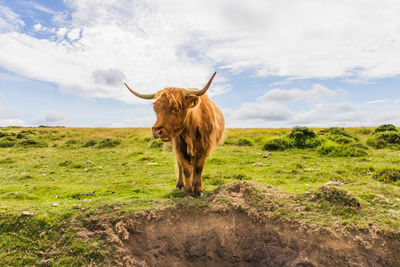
x=198, y=194
x=179, y=186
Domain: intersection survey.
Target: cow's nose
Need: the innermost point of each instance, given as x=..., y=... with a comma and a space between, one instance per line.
x=157, y=131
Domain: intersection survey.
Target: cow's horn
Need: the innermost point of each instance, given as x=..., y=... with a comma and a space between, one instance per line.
x=148, y=96
x=204, y=90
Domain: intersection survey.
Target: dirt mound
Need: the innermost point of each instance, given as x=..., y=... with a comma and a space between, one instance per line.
x=236, y=234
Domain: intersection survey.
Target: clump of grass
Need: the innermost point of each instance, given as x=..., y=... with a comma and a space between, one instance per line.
x=245, y=142
x=384, y=139
x=32, y=143
x=7, y=141
x=90, y=143
x=7, y=161
x=18, y=196
x=71, y=142
x=65, y=163
x=299, y=132
x=389, y=175
x=386, y=128
x=27, y=132
x=229, y=142
x=280, y=143
x=157, y=143
x=216, y=181
x=108, y=143
x=339, y=135
x=21, y=136
x=240, y=176
x=335, y=196
x=4, y=134
x=304, y=137
x=299, y=137
x=147, y=139
x=333, y=149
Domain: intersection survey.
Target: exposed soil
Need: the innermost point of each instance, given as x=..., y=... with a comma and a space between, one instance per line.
x=239, y=236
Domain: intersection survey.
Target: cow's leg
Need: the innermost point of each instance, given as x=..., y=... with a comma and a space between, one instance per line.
x=184, y=164
x=198, y=165
x=180, y=184
x=187, y=172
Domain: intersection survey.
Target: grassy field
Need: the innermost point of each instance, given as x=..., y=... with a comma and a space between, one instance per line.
x=56, y=181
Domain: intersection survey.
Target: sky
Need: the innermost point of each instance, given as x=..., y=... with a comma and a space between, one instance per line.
x=279, y=63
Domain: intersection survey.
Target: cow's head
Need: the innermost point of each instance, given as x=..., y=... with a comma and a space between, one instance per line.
x=171, y=107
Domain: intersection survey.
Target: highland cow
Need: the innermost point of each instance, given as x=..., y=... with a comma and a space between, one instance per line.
x=193, y=124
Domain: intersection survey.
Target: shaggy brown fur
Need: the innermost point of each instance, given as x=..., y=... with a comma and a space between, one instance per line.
x=194, y=125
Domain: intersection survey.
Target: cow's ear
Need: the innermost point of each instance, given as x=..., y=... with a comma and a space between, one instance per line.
x=192, y=101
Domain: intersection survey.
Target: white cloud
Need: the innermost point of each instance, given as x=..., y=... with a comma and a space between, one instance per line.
x=269, y=112
x=74, y=34
x=9, y=21
x=279, y=83
x=8, y=118
x=11, y=122
x=140, y=117
x=358, y=81
x=52, y=118
x=282, y=95
x=160, y=43
x=379, y=101
x=61, y=32
x=37, y=27
x=275, y=110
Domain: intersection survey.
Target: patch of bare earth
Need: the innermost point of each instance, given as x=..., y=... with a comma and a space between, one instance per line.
x=231, y=230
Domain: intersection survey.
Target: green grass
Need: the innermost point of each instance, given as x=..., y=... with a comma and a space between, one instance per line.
x=90, y=173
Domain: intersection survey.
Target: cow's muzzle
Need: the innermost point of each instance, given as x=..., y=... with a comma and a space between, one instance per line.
x=160, y=132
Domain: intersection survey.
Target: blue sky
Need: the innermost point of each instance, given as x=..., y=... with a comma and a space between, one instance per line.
x=279, y=63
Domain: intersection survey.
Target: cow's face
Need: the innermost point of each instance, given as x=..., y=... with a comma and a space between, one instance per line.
x=171, y=115
x=172, y=106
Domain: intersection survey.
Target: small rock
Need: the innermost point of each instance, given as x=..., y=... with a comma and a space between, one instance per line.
x=100, y=167
x=42, y=234
x=88, y=162
x=55, y=204
x=85, y=170
x=27, y=213
x=86, y=200
x=76, y=206
x=43, y=174
x=335, y=183
x=27, y=185
x=368, y=173
x=114, y=151
x=22, y=173
x=267, y=155
x=42, y=156
x=258, y=164
x=57, y=196
x=310, y=169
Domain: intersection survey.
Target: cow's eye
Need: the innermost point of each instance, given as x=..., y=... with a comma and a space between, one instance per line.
x=174, y=110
